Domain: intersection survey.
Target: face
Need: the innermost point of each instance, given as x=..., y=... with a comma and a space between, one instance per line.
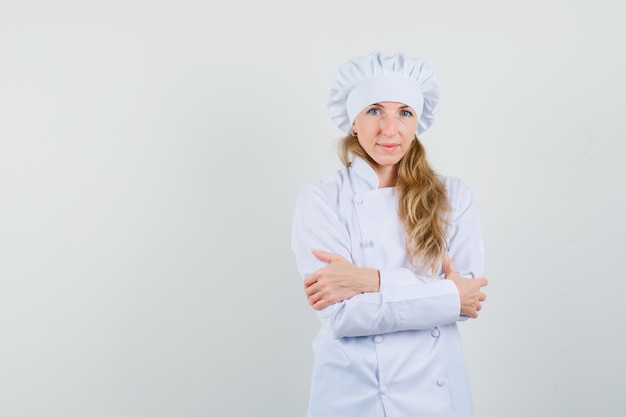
x=385, y=131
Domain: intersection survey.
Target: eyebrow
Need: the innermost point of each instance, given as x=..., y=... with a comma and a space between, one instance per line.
x=404, y=106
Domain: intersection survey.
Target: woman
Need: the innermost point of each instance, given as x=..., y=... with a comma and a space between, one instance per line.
x=384, y=245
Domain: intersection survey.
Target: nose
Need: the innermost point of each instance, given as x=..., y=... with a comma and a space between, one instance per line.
x=389, y=125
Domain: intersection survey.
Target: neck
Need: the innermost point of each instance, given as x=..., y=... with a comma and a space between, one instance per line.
x=387, y=176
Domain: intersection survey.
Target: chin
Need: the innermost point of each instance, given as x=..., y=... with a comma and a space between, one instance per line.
x=387, y=162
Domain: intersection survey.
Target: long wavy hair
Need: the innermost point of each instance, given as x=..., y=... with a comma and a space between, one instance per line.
x=423, y=204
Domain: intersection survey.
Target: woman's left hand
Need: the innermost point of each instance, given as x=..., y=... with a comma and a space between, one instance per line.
x=338, y=281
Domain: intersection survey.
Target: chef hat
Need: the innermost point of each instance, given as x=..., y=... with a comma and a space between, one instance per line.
x=376, y=77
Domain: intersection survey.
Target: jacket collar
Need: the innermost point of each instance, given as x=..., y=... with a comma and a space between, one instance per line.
x=364, y=176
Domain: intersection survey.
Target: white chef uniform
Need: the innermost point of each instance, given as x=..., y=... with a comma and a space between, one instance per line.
x=396, y=352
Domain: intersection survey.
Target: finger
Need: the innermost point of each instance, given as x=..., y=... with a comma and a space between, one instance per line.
x=326, y=256
x=322, y=255
x=313, y=298
x=321, y=304
x=310, y=290
x=448, y=266
x=315, y=294
x=310, y=279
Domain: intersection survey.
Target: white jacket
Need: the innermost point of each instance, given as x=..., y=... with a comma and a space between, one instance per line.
x=396, y=352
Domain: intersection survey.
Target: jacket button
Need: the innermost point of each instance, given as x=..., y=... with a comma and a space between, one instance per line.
x=441, y=382
x=435, y=332
x=383, y=389
x=378, y=339
x=358, y=200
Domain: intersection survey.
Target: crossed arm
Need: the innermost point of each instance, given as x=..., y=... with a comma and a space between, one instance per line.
x=340, y=280
x=357, y=301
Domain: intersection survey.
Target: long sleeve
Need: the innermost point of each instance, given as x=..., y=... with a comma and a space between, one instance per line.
x=405, y=301
x=465, y=241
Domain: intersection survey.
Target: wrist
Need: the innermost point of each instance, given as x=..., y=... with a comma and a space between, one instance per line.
x=371, y=280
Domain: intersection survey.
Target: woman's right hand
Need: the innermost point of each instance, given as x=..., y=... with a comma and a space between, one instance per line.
x=469, y=289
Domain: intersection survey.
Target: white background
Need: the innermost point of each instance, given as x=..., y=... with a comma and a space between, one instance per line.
x=150, y=157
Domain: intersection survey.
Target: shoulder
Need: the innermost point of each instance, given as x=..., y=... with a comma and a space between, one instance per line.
x=325, y=190
x=459, y=194
x=454, y=186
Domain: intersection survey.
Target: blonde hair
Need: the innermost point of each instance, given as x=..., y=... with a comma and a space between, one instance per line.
x=423, y=204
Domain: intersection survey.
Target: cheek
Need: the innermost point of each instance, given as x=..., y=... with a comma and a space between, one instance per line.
x=407, y=135
x=408, y=123
x=365, y=144
x=366, y=137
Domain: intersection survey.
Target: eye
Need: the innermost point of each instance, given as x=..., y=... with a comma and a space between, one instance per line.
x=406, y=113
x=374, y=111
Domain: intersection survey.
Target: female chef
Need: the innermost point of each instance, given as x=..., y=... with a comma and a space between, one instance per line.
x=386, y=247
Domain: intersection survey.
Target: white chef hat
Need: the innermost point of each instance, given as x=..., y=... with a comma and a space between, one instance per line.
x=362, y=81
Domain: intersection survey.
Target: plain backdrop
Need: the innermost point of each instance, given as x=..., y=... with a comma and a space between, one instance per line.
x=150, y=157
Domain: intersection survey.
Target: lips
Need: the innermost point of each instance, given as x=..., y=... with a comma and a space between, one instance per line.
x=388, y=147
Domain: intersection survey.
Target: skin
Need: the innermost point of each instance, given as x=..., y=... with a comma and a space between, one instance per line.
x=341, y=280
x=338, y=281
x=385, y=130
